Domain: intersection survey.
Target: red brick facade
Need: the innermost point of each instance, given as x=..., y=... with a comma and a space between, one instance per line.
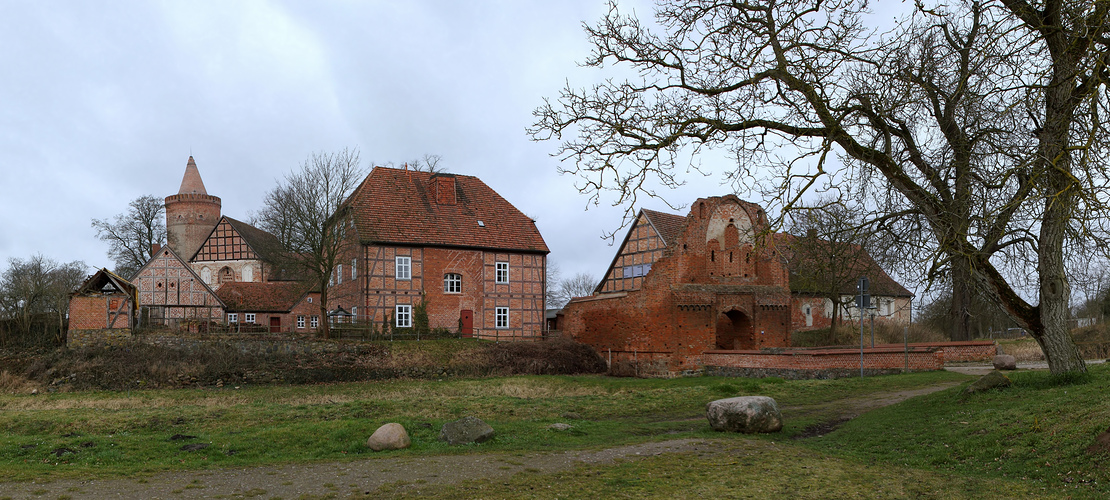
x=716, y=286
x=449, y=240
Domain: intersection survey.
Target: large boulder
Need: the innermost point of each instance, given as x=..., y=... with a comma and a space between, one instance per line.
x=466, y=430
x=992, y=380
x=1005, y=362
x=389, y=437
x=747, y=414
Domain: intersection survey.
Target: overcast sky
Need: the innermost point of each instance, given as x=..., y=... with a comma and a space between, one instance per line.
x=105, y=101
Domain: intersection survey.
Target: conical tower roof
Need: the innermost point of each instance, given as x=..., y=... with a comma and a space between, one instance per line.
x=191, y=183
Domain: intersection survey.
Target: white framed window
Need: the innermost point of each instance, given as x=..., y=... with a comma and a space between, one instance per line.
x=310, y=300
x=248, y=317
x=501, y=272
x=232, y=317
x=403, y=316
x=354, y=269
x=354, y=313
x=331, y=279
x=314, y=321
x=452, y=283
x=300, y=321
x=339, y=275
x=403, y=268
x=636, y=271
x=501, y=317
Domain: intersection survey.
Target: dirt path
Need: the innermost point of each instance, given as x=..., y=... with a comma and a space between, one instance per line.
x=338, y=480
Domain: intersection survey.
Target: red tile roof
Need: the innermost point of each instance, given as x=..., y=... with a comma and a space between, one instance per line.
x=394, y=206
x=271, y=296
x=669, y=226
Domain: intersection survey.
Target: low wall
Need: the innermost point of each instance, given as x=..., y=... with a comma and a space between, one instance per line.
x=821, y=363
x=102, y=336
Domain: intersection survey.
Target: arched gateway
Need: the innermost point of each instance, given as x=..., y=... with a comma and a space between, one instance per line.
x=734, y=331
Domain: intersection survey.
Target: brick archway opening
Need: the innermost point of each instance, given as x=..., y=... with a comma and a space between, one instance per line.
x=734, y=331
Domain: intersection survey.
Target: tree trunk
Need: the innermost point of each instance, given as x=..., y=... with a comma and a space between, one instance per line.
x=960, y=310
x=1054, y=338
x=325, y=325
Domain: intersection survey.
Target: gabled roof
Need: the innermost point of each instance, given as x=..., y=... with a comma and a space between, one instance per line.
x=668, y=226
x=166, y=251
x=106, y=282
x=394, y=206
x=271, y=296
x=265, y=244
x=863, y=265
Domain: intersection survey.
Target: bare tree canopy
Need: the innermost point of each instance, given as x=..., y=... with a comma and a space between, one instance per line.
x=974, y=127
x=579, y=285
x=34, y=299
x=131, y=235
x=828, y=250
x=304, y=212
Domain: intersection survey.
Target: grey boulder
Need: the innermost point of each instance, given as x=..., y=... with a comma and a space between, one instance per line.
x=746, y=414
x=466, y=430
x=1005, y=362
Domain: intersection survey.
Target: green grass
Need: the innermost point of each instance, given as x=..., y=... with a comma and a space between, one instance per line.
x=1026, y=441
x=124, y=433
x=1037, y=432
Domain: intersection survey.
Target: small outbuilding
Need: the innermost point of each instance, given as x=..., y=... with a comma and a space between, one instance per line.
x=102, y=310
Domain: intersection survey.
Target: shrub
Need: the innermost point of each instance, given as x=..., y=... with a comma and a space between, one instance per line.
x=555, y=357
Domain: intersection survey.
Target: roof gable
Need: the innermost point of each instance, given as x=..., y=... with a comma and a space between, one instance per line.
x=236, y=240
x=405, y=207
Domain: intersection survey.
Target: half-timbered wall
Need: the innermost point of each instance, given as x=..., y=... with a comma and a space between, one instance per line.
x=642, y=247
x=170, y=292
x=377, y=291
x=226, y=256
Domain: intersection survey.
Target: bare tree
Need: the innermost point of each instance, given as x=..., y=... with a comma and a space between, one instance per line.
x=551, y=280
x=131, y=235
x=828, y=252
x=977, y=123
x=307, y=213
x=579, y=285
x=37, y=289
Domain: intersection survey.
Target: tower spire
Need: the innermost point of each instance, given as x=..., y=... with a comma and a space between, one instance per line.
x=191, y=183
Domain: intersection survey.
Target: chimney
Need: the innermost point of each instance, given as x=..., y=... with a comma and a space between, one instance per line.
x=154, y=248
x=444, y=189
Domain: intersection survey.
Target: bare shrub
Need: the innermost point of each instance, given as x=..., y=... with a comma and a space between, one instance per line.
x=14, y=384
x=642, y=369
x=556, y=357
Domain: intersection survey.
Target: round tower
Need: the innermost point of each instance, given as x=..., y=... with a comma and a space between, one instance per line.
x=190, y=214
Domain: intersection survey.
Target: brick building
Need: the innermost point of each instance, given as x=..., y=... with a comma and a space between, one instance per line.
x=713, y=280
x=207, y=252
x=681, y=286
x=449, y=240
x=102, y=309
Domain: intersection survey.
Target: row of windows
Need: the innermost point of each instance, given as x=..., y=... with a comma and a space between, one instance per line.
x=452, y=282
x=337, y=276
x=402, y=317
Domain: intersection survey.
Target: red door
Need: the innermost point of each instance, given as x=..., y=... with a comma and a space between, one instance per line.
x=466, y=318
x=275, y=324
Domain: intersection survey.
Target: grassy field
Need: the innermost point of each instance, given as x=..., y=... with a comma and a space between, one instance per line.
x=1027, y=441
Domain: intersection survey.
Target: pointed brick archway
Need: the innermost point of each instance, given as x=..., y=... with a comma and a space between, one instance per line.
x=734, y=331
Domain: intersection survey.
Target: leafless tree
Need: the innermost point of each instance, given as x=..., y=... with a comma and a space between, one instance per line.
x=551, y=280
x=976, y=122
x=579, y=285
x=827, y=248
x=306, y=211
x=428, y=163
x=37, y=289
x=131, y=235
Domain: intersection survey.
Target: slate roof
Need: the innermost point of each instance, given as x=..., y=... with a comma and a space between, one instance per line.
x=272, y=296
x=395, y=206
x=865, y=265
x=669, y=226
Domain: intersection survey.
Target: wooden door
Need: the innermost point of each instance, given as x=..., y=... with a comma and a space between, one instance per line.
x=275, y=324
x=466, y=323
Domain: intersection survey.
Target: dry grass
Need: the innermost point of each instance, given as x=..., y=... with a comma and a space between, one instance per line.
x=15, y=384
